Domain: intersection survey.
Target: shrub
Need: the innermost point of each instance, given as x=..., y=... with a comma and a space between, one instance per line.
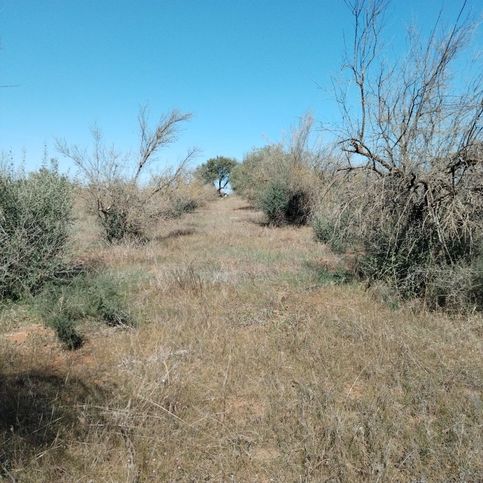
x=64, y=304
x=324, y=273
x=185, y=195
x=455, y=286
x=182, y=206
x=258, y=167
x=105, y=302
x=122, y=200
x=273, y=201
x=35, y=219
x=66, y=331
x=328, y=231
x=422, y=249
x=121, y=214
x=417, y=249
x=477, y=278
x=283, y=205
x=282, y=179
x=413, y=164
x=338, y=276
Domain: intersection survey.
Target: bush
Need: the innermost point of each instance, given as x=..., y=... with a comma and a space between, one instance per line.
x=477, y=278
x=105, y=302
x=35, y=219
x=66, y=331
x=180, y=207
x=273, y=202
x=413, y=161
x=63, y=305
x=184, y=195
x=455, y=286
x=327, y=231
x=259, y=166
x=282, y=179
x=116, y=190
x=181, y=199
x=124, y=216
x=419, y=250
x=282, y=205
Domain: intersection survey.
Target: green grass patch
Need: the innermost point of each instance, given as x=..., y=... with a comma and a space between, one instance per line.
x=324, y=275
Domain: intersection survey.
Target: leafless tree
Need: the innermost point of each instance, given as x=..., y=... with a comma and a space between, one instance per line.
x=114, y=187
x=414, y=143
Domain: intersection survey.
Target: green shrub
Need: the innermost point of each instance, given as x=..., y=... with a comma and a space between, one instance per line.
x=283, y=205
x=66, y=331
x=273, y=202
x=179, y=206
x=250, y=177
x=64, y=304
x=283, y=179
x=327, y=232
x=105, y=301
x=340, y=276
x=35, y=219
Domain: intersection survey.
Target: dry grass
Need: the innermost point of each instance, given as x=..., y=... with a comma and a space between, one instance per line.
x=244, y=368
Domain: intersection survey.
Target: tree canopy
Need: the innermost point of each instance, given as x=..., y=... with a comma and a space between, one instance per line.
x=217, y=170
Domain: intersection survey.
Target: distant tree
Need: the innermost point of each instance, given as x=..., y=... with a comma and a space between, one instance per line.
x=218, y=171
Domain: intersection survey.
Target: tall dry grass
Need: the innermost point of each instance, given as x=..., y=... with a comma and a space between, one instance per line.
x=246, y=367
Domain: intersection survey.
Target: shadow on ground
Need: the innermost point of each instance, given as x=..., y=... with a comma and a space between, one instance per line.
x=245, y=208
x=176, y=234
x=38, y=410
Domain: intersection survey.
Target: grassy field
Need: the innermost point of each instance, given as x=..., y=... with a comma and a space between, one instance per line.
x=249, y=364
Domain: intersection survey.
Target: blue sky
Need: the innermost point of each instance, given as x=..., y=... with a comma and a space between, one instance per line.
x=246, y=69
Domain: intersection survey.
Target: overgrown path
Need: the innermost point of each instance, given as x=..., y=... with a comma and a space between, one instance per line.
x=249, y=364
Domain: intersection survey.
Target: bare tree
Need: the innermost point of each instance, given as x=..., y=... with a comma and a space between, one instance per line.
x=114, y=185
x=415, y=143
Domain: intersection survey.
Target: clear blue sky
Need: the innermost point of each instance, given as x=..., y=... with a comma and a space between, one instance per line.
x=246, y=69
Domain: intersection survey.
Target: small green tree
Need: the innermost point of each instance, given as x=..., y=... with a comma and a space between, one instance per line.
x=217, y=171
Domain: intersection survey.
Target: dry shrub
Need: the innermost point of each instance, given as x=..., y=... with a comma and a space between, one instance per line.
x=123, y=202
x=282, y=179
x=396, y=235
x=410, y=188
x=184, y=195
